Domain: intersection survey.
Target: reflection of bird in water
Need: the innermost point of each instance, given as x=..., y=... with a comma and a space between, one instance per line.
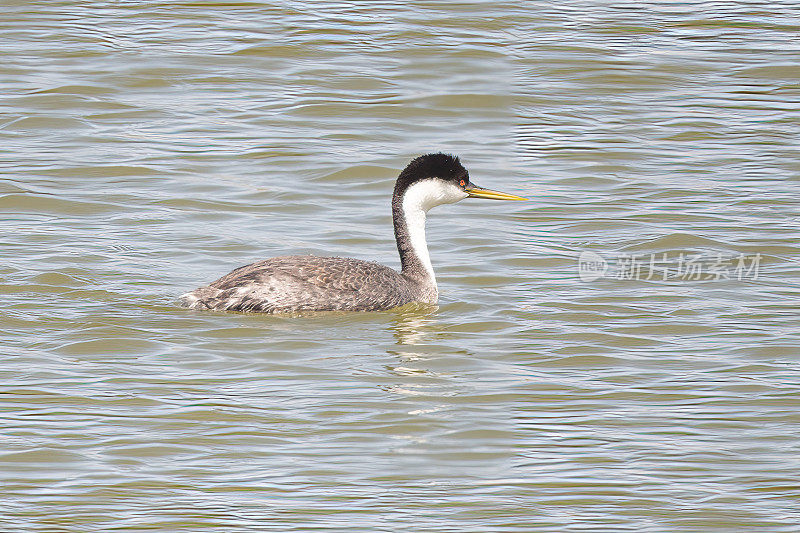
x=310, y=283
x=413, y=325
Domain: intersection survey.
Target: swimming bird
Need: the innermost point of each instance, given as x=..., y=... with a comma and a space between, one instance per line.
x=296, y=283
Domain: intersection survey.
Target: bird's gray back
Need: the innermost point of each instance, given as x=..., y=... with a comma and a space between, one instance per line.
x=305, y=283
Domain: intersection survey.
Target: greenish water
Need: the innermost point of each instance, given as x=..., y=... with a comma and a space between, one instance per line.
x=149, y=148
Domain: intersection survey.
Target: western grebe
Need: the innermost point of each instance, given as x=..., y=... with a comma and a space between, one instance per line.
x=309, y=283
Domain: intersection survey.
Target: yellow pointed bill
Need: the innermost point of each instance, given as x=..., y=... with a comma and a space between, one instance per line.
x=477, y=192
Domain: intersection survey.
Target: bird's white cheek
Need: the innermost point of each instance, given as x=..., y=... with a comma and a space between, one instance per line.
x=430, y=193
x=453, y=194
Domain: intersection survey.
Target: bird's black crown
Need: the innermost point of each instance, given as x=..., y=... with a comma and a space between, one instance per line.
x=443, y=166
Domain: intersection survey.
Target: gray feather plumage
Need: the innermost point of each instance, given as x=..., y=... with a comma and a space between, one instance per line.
x=307, y=283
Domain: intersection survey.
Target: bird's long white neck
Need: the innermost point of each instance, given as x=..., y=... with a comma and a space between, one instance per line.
x=410, y=213
x=415, y=216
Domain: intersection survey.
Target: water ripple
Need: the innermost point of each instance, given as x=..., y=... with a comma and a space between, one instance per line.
x=150, y=148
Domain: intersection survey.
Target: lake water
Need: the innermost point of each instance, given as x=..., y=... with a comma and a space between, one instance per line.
x=621, y=353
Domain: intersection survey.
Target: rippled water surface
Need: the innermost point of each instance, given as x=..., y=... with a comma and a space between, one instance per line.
x=618, y=354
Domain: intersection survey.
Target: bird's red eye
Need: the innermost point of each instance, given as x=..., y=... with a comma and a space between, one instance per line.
x=462, y=183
